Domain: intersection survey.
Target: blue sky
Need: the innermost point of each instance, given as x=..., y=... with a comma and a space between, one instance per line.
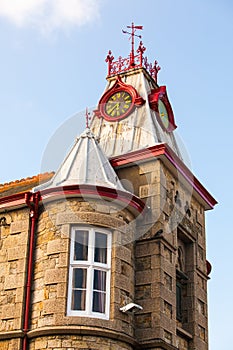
x=53, y=67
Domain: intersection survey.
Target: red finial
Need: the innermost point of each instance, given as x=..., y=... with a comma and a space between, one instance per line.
x=132, y=61
x=141, y=49
x=154, y=70
x=87, y=118
x=132, y=35
x=109, y=59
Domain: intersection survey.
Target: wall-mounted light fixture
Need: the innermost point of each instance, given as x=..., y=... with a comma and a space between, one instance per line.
x=131, y=307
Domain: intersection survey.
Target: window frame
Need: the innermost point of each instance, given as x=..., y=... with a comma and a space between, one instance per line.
x=90, y=265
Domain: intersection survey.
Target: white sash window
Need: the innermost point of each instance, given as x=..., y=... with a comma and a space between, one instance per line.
x=89, y=275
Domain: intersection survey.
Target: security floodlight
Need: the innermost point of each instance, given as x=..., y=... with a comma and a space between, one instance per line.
x=131, y=307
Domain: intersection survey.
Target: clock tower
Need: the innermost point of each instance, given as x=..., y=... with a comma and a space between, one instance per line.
x=135, y=125
x=109, y=252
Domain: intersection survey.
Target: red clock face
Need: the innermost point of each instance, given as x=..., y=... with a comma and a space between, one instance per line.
x=118, y=102
x=118, y=105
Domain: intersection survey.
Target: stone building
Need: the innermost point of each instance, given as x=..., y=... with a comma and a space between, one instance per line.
x=109, y=252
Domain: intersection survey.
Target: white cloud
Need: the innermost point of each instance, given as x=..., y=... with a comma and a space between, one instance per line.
x=48, y=15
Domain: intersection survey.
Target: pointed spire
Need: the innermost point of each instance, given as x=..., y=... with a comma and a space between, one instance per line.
x=86, y=164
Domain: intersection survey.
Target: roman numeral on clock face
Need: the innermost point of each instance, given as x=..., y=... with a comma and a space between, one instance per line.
x=118, y=104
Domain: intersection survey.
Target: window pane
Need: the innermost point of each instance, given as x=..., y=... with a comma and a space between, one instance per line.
x=79, y=278
x=81, y=245
x=78, y=300
x=99, y=280
x=100, y=248
x=79, y=289
x=178, y=301
x=98, y=302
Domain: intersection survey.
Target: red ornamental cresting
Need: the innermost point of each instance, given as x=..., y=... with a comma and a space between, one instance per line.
x=132, y=61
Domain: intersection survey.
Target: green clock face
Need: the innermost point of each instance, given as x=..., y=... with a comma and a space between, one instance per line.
x=118, y=104
x=163, y=114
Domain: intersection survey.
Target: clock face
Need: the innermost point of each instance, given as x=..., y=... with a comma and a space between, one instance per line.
x=118, y=104
x=163, y=114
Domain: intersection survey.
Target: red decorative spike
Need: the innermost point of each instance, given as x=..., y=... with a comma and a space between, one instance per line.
x=109, y=59
x=133, y=61
x=141, y=49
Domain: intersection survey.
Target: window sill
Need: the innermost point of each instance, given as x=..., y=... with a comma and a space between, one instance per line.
x=184, y=333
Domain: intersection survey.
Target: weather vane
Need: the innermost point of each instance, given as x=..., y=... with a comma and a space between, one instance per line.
x=132, y=35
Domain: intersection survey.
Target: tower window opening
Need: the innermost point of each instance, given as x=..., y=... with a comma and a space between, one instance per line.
x=181, y=282
x=89, y=275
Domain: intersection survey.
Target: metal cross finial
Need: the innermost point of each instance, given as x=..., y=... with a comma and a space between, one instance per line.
x=87, y=118
x=132, y=35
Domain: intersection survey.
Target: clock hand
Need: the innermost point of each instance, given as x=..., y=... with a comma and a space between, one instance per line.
x=115, y=106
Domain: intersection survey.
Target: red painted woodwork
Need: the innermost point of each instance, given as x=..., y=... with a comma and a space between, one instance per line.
x=132, y=35
x=90, y=191
x=124, y=64
x=164, y=152
x=119, y=85
x=32, y=201
x=161, y=94
x=13, y=201
x=132, y=61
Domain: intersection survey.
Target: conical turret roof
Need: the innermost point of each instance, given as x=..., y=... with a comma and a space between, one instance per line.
x=86, y=164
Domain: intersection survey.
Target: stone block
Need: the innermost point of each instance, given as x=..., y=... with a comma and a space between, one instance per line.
x=149, y=167
x=123, y=282
x=14, y=344
x=17, y=253
x=47, y=320
x=142, y=249
x=143, y=320
x=143, y=292
x=38, y=295
x=61, y=290
x=143, y=277
x=54, y=343
x=55, y=276
x=65, y=231
x=11, y=311
x=19, y=226
x=14, y=281
x=124, y=254
x=144, y=191
x=57, y=246
x=51, y=306
x=19, y=295
x=4, y=344
x=63, y=260
x=41, y=344
x=66, y=343
x=143, y=263
x=3, y=269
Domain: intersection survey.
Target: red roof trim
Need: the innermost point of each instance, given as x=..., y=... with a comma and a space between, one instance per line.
x=198, y=187
x=127, y=198
x=164, y=150
x=14, y=200
x=137, y=156
x=90, y=190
